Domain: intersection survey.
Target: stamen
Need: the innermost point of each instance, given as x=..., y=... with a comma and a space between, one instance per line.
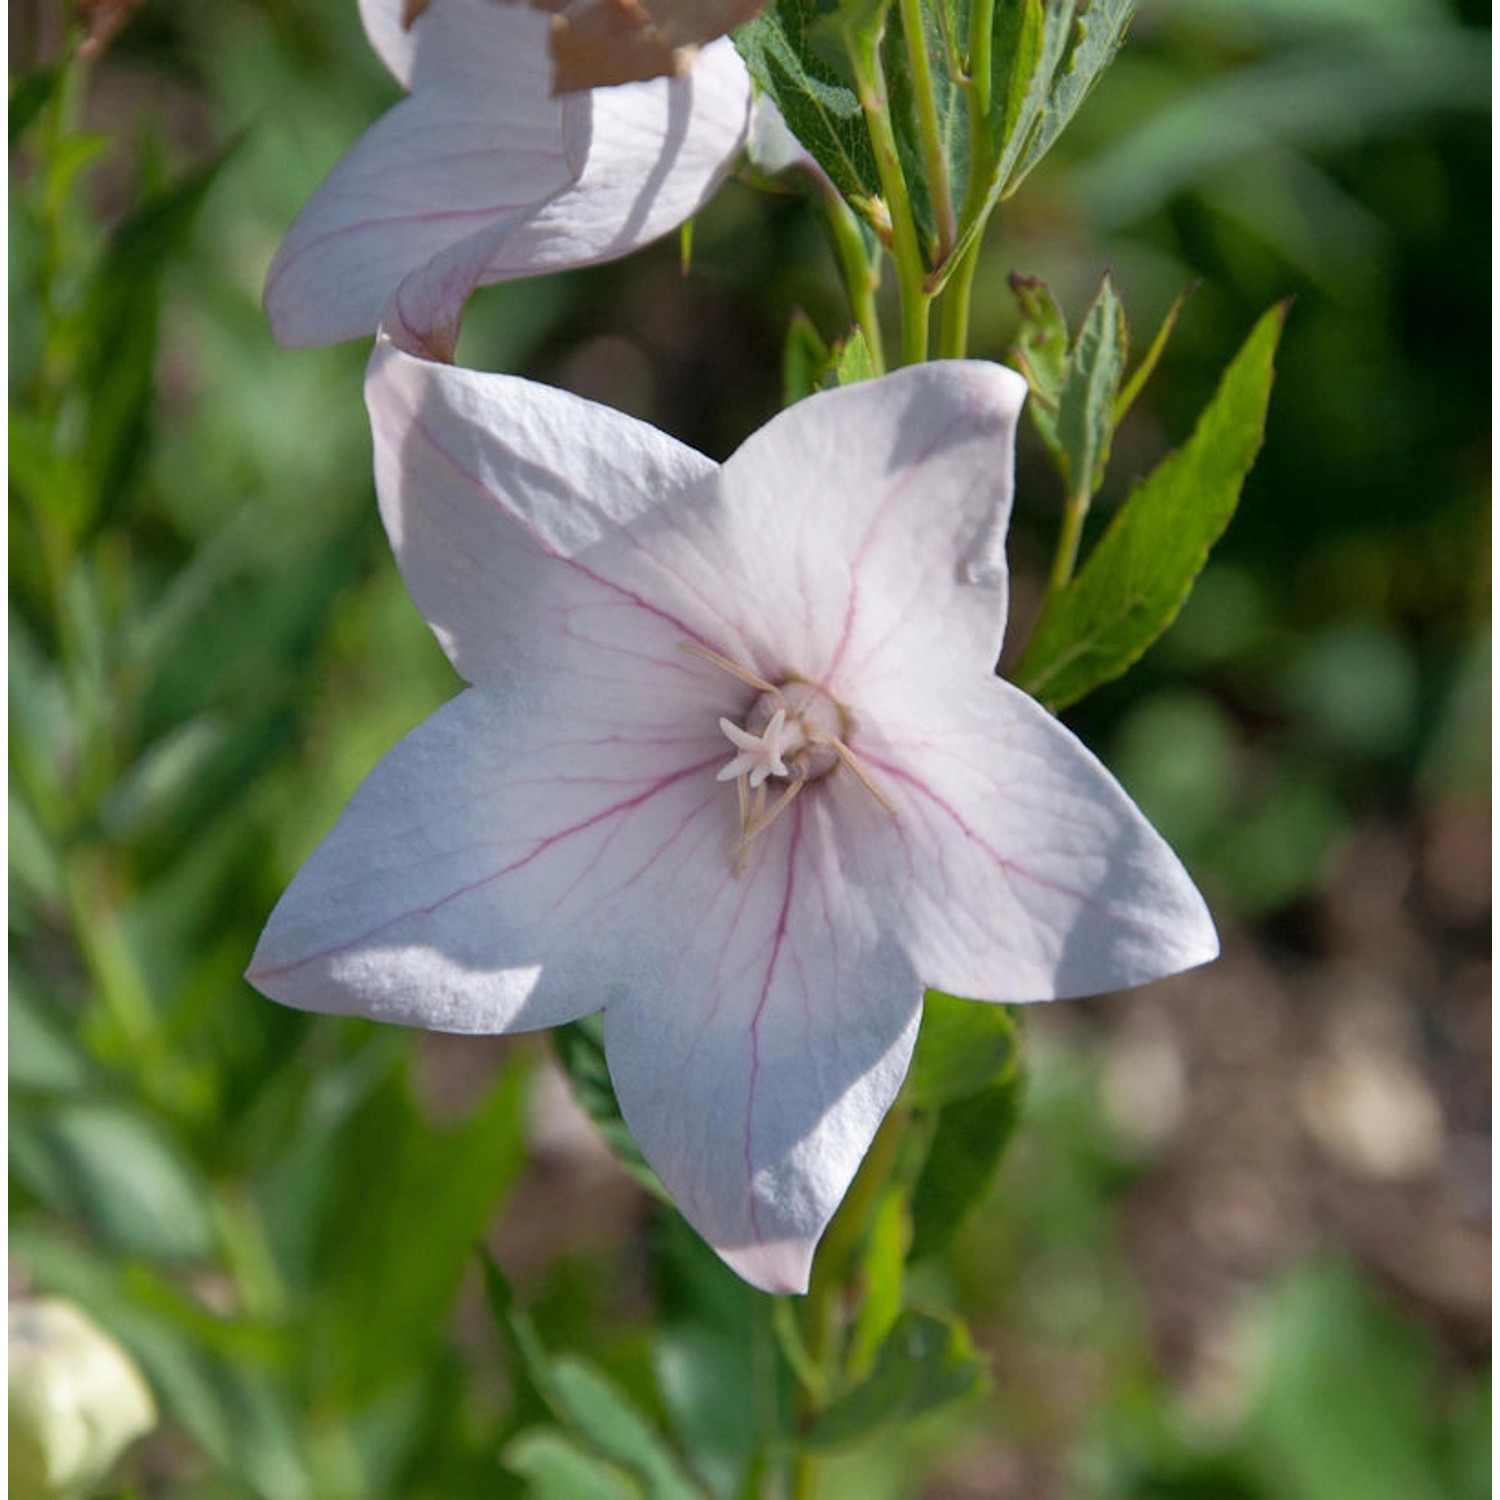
x=760, y=824
x=723, y=663
x=862, y=776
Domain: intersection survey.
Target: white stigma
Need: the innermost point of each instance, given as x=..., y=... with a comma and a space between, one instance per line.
x=799, y=742
x=762, y=755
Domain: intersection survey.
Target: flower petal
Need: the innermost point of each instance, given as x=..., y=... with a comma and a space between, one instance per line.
x=479, y=143
x=1015, y=867
x=877, y=509
x=392, y=34
x=756, y=1069
x=496, y=870
x=524, y=519
x=482, y=175
x=651, y=155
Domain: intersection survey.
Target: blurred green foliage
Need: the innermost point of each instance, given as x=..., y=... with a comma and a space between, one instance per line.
x=209, y=647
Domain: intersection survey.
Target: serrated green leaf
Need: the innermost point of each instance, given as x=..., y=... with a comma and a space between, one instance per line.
x=786, y=50
x=966, y=1150
x=1086, y=402
x=926, y=1363
x=935, y=43
x=1097, y=31
x=1143, y=568
x=579, y=1047
x=963, y=1046
x=1040, y=353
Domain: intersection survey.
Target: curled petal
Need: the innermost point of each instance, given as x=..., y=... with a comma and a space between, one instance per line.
x=482, y=175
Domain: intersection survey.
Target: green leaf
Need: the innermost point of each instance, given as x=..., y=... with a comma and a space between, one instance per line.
x=787, y=52
x=964, y=1046
x=804, y=359
x=1097, y=32
x=599, y=1411
x=966, y=1150
x=725, y=1393
x=587, y=1403
x=42, y=1056
x=557, y=1468
x=1143, y=568
x=1347, y=1393
x=115, y=1169
x=926, y=1363
x=1086, y=404
x=29, y=95
x=1040, y=353
x=937, y=40
x=580, y=1051
x=1147, y=367
x=854, y=363
x=410, y=1203
x=118, y=369
x=883, y=1273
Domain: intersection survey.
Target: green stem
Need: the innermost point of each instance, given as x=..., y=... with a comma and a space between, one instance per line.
x=981, y=64
x=830, y=1276
x=869, y=77
x=953, y=317
x=933, y=156
x=1068, y=538
x=861, y=275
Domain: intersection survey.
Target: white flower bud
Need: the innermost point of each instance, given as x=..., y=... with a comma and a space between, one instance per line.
x=77, y=1401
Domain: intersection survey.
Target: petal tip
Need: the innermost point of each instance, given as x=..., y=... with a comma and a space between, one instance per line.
x=779, y=1267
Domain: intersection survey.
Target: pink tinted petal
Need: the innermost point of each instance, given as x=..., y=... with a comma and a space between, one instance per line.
x=873, y=511
x=524, y=518
x=495, y=871
x=649, y=154
x=1015, y=867
x=756, y=1067
x=482, y=145
x=395, y=43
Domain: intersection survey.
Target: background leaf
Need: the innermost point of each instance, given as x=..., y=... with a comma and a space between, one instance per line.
x=1136, y=578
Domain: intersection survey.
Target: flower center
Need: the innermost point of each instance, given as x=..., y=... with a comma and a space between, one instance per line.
x=794, y=734
x=789, y=733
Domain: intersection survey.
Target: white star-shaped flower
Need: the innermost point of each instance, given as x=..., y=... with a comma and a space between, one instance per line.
x=557, y=839
x=483, y=175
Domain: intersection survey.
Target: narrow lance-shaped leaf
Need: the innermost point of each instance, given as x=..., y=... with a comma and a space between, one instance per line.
x=1143, y=568
x=1085, y=407
x=1149, y=360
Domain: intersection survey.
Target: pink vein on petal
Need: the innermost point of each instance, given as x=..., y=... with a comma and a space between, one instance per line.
x=905, y=476
x=539, y=848
x=546, y=548
x=898, y=773
x=777, y=941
